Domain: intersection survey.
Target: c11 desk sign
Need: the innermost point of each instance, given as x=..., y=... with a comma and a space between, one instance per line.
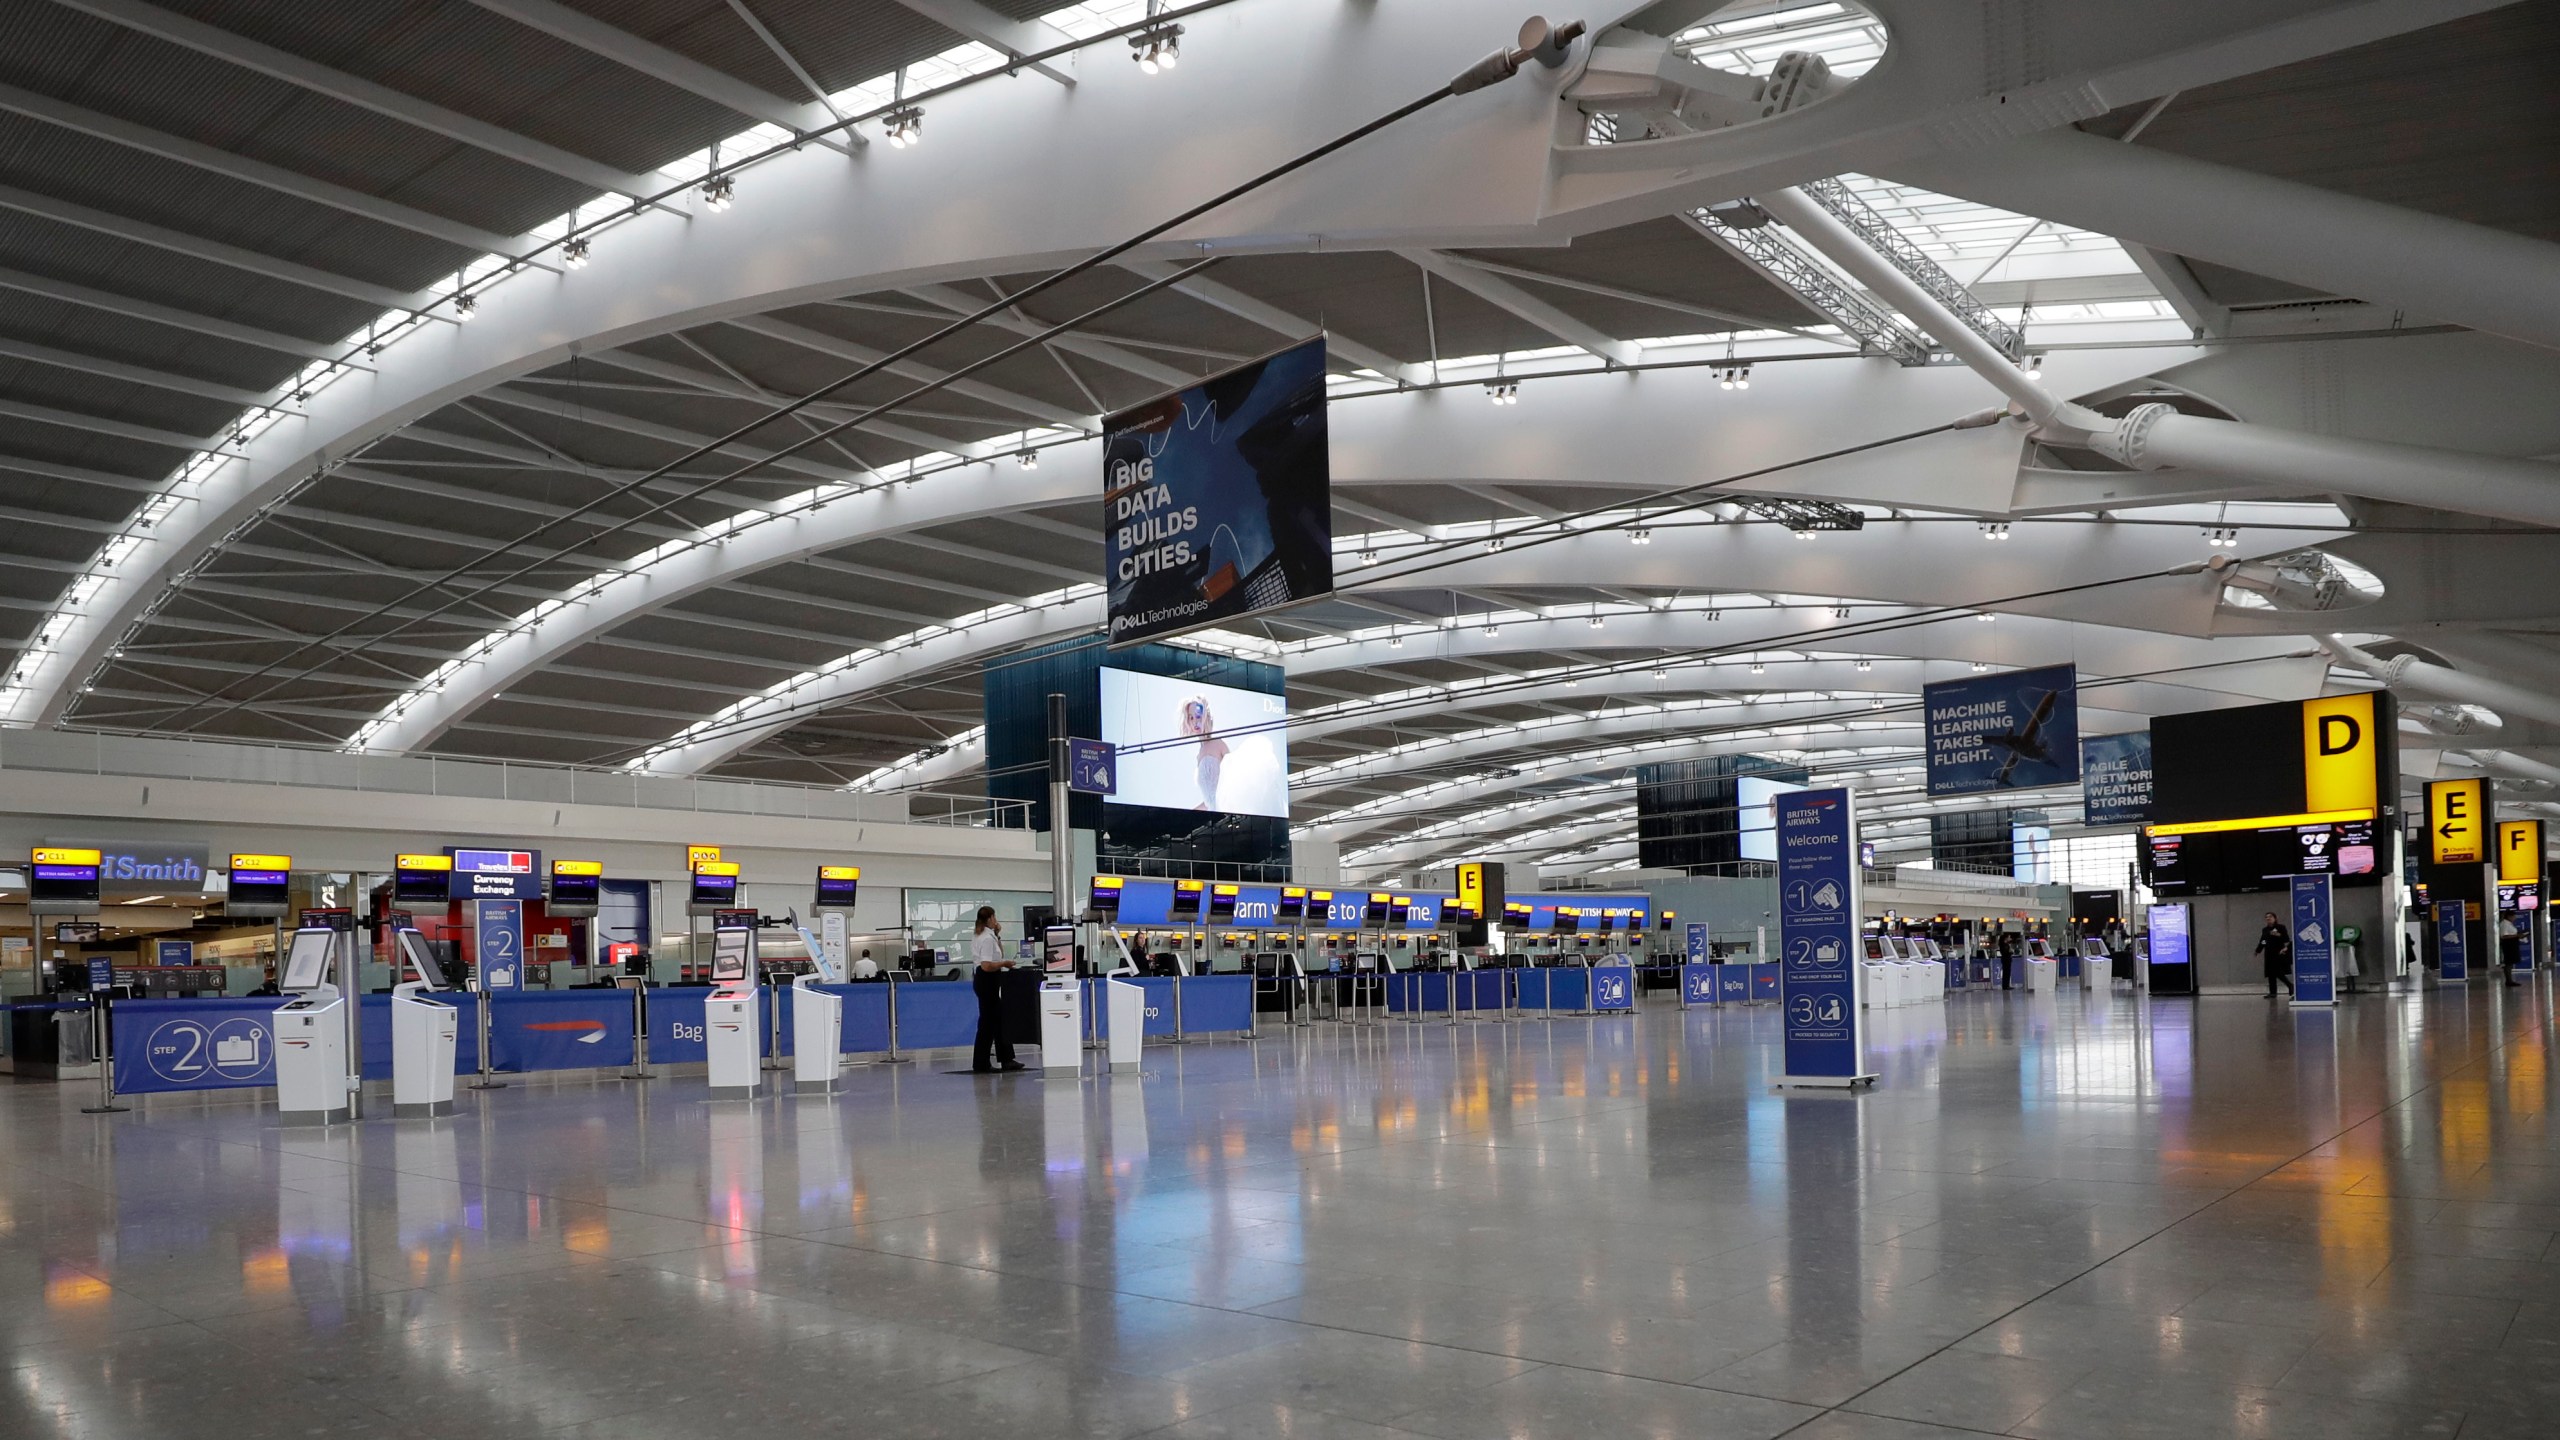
x=2453, y=940
x=1217, y=499
x=1818, y=938
x=2017, y=730
x=2315, y=976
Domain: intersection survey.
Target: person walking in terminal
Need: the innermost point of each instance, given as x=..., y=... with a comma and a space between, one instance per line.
x=986, y=946
x=2276, y=944
x=2510, y=947
x=2007, y=946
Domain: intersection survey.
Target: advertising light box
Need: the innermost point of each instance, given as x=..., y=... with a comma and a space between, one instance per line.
x=1183, y=745
x=1217, y=499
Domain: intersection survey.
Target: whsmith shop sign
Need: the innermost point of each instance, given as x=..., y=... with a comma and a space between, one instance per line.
x=146, y=867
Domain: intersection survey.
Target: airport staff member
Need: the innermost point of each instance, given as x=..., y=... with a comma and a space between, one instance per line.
x=2275, y=942
x=986, y=946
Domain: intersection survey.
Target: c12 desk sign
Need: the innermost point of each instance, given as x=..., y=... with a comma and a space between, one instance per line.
x=1818, y=938
x=2013, y=731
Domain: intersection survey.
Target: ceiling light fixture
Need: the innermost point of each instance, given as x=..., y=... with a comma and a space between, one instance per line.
x=1368, y=557
x=1995, y=529
x=1157, y=49
x=1865, y=665
x=906, y=127
x=2035, y=367
x=1502, y=392
x=574, y=254
x=1395, y=642
x=717, y=193
x=1028, y=459
x=1981, y=667
x=465, y=305
x=1639, y=536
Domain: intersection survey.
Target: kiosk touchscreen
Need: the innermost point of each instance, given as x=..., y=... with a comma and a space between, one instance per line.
x=424, y=1033
x=817, y=1019
x=312, y=1084
x=732, y=1031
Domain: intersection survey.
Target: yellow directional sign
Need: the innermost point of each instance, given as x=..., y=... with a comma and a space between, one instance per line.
x=2519, y=852
x=2457, y=821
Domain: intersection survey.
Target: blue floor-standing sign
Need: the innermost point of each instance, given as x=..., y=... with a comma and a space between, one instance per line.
x=1613, y=987
x=1698, y=983
x=1818, y=937
x=2315, y=976
x=2453, y=941
x=1700, y=948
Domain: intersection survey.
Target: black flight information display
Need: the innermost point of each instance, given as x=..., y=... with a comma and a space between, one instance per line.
x=837, y=886
x=2236, y=862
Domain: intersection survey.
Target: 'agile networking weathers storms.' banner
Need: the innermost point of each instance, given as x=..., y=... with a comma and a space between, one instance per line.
x=2115, y=778
x=1218, y=499
x=2013, y=731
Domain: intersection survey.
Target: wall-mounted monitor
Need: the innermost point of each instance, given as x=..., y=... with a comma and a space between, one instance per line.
x=715, y=887
x=1222, y=903
x=422, y=879
x=1107, y=890
x=62, y=881
x=260, y=886
x=496, y=874
x=1293, y=903
x=1190, y=898
x=837, y=886
x=577, y=887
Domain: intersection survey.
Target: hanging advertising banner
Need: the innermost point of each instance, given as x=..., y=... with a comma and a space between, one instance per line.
x=2013, y=731
x=497, y=943
x=2315, y=976
x=1818, y=938
x=2115, y=778
x=1217, y=500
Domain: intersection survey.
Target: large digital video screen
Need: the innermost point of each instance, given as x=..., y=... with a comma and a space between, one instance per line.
x=1217, y=500
x=1755, y=797
x=1183, y=745
x=2234, y=862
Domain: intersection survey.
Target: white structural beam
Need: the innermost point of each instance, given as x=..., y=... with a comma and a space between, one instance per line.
x=131, y=374
x=161, y=237
x=812, y=228
x=2431, y=266
x=1271, y=317
x=1505, y=296
x=501, y=660
x=255, y=172
x=169, y=315
x=1013, y=38
x=859, y=354
x=722, y=384
x=122, y=429
x=354, y=90
x=2410, y=672
x=1119, y=357
x=2157, y=437
x=659, y=63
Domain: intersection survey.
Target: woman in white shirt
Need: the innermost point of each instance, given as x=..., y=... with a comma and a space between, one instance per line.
x=986, y=947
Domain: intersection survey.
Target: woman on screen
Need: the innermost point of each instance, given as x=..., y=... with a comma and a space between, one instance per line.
x=1196, y=720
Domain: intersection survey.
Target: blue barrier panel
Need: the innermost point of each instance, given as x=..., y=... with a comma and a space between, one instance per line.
x=1415, y=991
x=373, y=1026
x=1698, y=984
x=1156, y=992
x=937, y=1015
x=1529, y=988
x=1568, y=988
x=676, y=1032
x=1733, y=984
x=1613, y=987
x=866, y=1016
x=1480, y=990
x=1955, y=973
x=1213, y=1004
x=176, y=1045
x=1764, y=981
x=556, y=1029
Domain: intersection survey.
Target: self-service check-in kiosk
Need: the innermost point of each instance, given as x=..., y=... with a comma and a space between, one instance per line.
x=311, y=1035
x=732, y=1039
x=817, y=1020
x=1061, y=1003
x=423, y=1033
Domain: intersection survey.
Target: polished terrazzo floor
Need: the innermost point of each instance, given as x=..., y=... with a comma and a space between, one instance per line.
x=2054, y=1218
